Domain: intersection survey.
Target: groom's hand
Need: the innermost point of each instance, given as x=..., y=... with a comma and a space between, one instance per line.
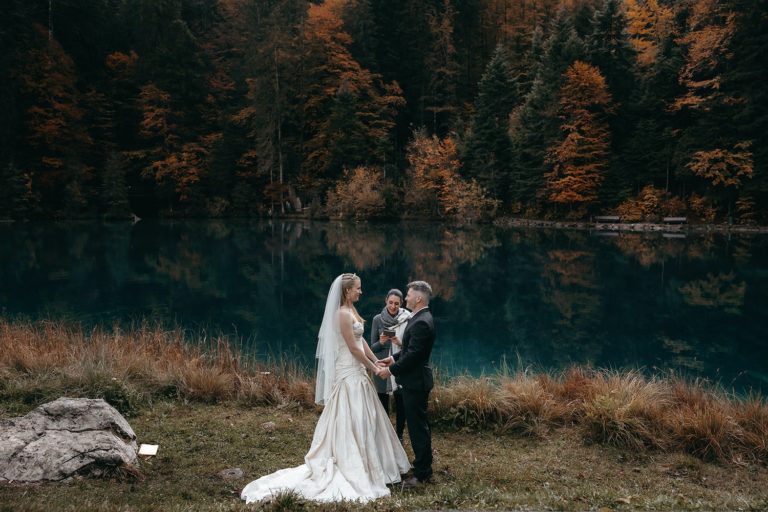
x=386, y=361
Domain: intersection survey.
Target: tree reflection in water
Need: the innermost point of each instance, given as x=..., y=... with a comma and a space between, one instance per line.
x=549, y=298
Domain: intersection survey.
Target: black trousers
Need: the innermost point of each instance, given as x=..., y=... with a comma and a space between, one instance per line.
x=415, y=406
x=399, y=410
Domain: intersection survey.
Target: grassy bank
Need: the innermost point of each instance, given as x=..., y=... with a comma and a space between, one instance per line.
x=575, y=440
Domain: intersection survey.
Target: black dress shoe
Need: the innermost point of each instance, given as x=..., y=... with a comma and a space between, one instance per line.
x=413, y=482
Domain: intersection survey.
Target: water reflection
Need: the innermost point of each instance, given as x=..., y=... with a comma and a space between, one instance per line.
x=546, y=298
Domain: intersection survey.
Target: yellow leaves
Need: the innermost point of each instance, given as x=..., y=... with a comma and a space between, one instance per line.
x=726, y=167
x=181, y=169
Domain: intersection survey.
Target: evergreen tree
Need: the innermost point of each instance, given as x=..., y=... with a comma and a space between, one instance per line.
x=745, y=80
x=609, y=49
x=441, y=66
x=54, y=130
x=360, y=24
x=114, y=194
x=535, y=125
x=488, y=150
x=646, y=157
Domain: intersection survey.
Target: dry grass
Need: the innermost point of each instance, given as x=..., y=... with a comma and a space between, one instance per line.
x=131, y=368
x=626, y=410
x=478, y=471
x=622, y=409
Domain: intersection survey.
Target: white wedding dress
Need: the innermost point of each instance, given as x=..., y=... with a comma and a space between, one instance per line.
x=355, y=452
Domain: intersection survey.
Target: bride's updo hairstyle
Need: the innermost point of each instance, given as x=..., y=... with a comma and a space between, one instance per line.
x=347, y=282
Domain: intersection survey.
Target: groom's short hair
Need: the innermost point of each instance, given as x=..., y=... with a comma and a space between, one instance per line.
x=421, y=287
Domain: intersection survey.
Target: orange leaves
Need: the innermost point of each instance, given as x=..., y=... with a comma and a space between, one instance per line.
x=434, y=162
x=182, y=169
x=649, y=24
x=708, y=44
x=156, y=108
x=580, y=158
x=122, y=65
x=359, y=194
x=435, y=183
x=726, y=167
x=584, y=88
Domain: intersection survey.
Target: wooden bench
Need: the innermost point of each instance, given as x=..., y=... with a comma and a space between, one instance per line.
x=674, y=220
x=606, y=218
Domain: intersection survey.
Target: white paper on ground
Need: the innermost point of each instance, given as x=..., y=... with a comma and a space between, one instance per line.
x=148, y=449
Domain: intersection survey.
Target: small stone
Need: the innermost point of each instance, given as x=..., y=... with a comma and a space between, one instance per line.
x=269, y=426
x=231, y=474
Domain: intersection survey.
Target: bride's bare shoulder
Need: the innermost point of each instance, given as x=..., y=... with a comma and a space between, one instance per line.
x=345, y=315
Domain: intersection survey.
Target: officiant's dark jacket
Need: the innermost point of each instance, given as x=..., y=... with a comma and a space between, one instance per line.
x=411, y=367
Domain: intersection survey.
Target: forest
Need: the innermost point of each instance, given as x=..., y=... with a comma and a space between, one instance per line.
x=463, y=110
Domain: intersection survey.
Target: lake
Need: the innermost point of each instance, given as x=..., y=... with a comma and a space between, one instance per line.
x=534, y=298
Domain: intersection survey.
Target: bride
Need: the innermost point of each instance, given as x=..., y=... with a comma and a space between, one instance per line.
x=355, y=452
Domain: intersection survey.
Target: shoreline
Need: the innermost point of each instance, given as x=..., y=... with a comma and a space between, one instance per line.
x=41, y=361
x=633, y=227
x=500, y=222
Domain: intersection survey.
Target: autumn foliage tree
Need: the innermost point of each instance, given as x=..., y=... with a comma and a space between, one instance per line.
x=714, y=151
x=349, y=111
x=650, y=24
x=231, y=107
x=53, y=120
x=580, y=158
x=361, y=194
x=435, y=187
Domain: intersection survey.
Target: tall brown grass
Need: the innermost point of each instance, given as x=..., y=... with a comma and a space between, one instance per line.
x=131, y=369
x=43, y=359
x=623, y=409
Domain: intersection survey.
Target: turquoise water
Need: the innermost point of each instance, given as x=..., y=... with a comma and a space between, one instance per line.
x=532, y=297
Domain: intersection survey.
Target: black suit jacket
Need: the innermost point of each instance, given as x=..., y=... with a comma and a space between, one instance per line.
x=411, y=367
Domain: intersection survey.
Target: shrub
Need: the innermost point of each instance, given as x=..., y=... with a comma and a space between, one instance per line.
x=360, y=194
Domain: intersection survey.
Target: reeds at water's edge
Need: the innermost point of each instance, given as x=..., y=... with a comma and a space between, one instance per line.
x=131, y=369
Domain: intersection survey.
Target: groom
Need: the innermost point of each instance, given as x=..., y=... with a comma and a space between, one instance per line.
x=411, y=369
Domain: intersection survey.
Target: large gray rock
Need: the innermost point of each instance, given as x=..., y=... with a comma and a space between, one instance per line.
x=64, y=437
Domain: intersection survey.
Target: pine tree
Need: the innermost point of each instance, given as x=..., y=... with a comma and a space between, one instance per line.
x=114, y=194
x=488, y=150
x=535, y=125
x=440, y=98
x=609, y=49
x=54, y=128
